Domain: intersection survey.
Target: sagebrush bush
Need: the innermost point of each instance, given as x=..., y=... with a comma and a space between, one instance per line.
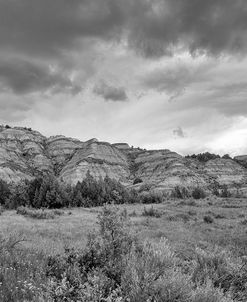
x=151, y=197
x=116, y=267
x=152, y=212
x=225, y=192
x=208, y=219
x=22, y=275
x=144, y=267
x=180, y=193
x=103, y=256
x=39, y=213
x=198, y=193
x=208, y=293
x=34, y=213
x=216, y=265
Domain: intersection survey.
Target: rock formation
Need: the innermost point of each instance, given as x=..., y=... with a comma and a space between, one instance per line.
x=25, y=154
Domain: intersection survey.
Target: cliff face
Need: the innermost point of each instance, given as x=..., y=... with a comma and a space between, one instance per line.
x=25, y=154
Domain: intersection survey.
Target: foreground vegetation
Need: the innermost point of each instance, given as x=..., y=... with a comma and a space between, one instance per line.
x=73, y=244
x=180, y=250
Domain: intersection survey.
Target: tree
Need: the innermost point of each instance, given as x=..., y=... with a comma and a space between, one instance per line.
x=4, y=192
x=226, y=156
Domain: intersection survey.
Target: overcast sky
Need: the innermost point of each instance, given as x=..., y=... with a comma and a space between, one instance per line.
x=154, y=73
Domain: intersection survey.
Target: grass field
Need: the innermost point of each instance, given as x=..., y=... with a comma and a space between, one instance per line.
x=182, y=222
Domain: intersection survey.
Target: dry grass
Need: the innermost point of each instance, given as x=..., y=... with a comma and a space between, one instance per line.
x=182, y=223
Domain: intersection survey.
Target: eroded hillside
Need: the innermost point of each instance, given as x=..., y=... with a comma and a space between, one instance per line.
x=25, y=154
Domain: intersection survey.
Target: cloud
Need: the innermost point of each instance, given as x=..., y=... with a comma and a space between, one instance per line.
x=214, y=27
x=152, y=27
x=179, y=132
x=22, y=77
x=45, y=28
x=173, y=81
x=175, y=78
x=109, y=92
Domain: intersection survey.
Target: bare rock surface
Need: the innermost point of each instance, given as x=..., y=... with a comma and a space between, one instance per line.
x=25, y=154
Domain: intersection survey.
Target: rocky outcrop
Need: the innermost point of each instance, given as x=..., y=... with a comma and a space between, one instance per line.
x=25, y=154
x=100, y=159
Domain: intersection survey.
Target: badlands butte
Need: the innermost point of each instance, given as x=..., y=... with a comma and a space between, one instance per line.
x=25, y=154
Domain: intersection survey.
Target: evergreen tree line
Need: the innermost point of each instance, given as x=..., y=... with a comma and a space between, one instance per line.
x=48, y=192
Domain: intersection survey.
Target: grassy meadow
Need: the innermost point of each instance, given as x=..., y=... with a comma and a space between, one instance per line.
x=180, y=221
x=199, y=242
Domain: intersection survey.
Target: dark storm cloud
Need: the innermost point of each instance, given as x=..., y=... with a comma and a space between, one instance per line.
x=152, y=27
x=211, y=26
x=109, y=92
x=23, y=77
x=44, y=27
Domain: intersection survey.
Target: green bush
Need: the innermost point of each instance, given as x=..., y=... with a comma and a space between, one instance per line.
x=151, y=212
x=116, y=267
x=137, y=181
x=198, y=193
x=151, y=197
x=39, y=213
x=208, y=219
x=180, y=193
x=22, y=276
x=225, y=192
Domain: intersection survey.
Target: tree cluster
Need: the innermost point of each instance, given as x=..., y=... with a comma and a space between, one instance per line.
x=48, y=192
x=203, y=157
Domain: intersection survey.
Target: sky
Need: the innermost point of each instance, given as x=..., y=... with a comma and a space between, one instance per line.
x=158, y=74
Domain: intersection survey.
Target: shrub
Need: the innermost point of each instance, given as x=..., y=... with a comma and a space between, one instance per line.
x=38, y=214
x=219, y=216
x=1, y=210
x=208, y=293
x=198, y=193
x=225, y=192
x=151, y=197
x=133, y=214
x=208, y=219
x=137, y=181
x=145, y=187
x=151, y=212
x=189, y=202
x=22, y=275
x=115, y=267
x=180, y=193
x=192, y=213
x=143, y=269
x=96, y=271
x=218, y=266
x=181, y=216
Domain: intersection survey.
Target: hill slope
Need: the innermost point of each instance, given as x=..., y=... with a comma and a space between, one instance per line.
x=25, y=154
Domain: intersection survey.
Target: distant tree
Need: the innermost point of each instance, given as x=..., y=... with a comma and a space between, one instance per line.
x=4, y=192
x=226, y=156
x=19, y=196
x=203, y=157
